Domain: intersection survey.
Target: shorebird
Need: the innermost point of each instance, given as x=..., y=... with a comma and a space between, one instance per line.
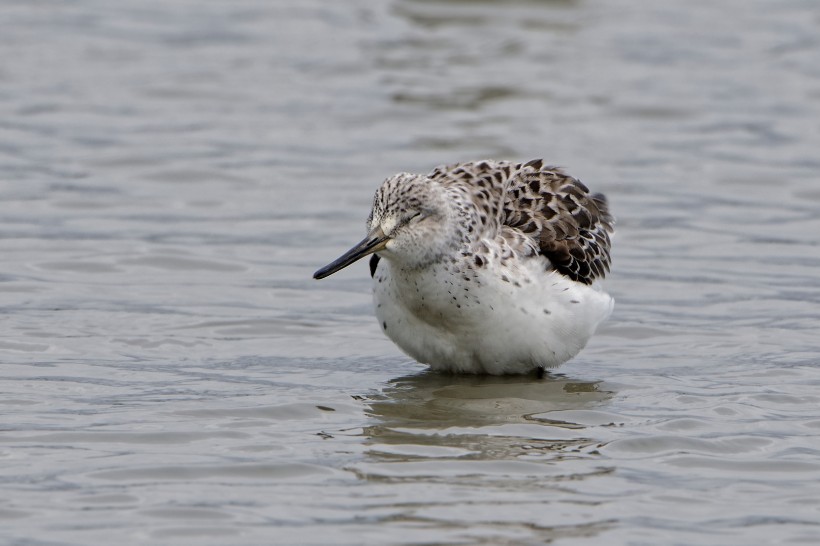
x=488, y=266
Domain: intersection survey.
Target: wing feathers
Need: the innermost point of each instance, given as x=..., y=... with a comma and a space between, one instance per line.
x=566, y=223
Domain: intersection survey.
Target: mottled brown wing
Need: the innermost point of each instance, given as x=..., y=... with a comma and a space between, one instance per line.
x=486, y=182
x=571, y=225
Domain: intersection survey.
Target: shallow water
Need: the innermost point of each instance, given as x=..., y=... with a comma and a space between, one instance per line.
x=173, y=172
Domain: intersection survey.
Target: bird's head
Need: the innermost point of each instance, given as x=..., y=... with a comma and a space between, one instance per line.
x=410, y=223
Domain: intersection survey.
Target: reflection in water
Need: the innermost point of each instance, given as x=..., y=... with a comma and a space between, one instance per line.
x=479, y=417
x=428, y=398
x=482, y=452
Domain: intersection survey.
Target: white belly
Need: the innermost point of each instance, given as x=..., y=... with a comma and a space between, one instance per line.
x=485, y=324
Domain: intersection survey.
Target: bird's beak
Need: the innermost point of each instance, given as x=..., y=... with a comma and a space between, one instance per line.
x=374, y=242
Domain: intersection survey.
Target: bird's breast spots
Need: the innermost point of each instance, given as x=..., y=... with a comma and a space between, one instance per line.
x=374, y=263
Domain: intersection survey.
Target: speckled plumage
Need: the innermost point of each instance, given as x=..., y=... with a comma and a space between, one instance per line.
x=488, y=266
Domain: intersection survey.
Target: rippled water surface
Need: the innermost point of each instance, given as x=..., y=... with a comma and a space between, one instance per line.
x=174, y=171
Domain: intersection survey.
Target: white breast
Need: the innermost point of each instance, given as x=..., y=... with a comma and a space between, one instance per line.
x=485, y=324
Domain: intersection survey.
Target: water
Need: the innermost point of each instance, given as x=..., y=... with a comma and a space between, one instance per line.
x=173, y=172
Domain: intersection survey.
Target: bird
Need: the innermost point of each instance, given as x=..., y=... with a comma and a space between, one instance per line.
x=487, y=267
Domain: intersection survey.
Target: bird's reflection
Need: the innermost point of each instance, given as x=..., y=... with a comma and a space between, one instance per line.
x=477, y=413
x=435, y=400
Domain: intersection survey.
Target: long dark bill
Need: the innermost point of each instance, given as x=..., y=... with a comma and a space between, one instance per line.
x=374, y=242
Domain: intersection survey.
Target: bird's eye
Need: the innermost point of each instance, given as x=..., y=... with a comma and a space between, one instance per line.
x=415, y=216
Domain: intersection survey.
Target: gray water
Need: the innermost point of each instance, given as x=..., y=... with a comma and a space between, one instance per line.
x=174, y=171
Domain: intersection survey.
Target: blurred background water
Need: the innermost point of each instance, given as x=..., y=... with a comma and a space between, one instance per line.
x=173, y=171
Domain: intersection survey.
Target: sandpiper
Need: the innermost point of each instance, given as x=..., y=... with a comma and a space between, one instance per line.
x=487, y=266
